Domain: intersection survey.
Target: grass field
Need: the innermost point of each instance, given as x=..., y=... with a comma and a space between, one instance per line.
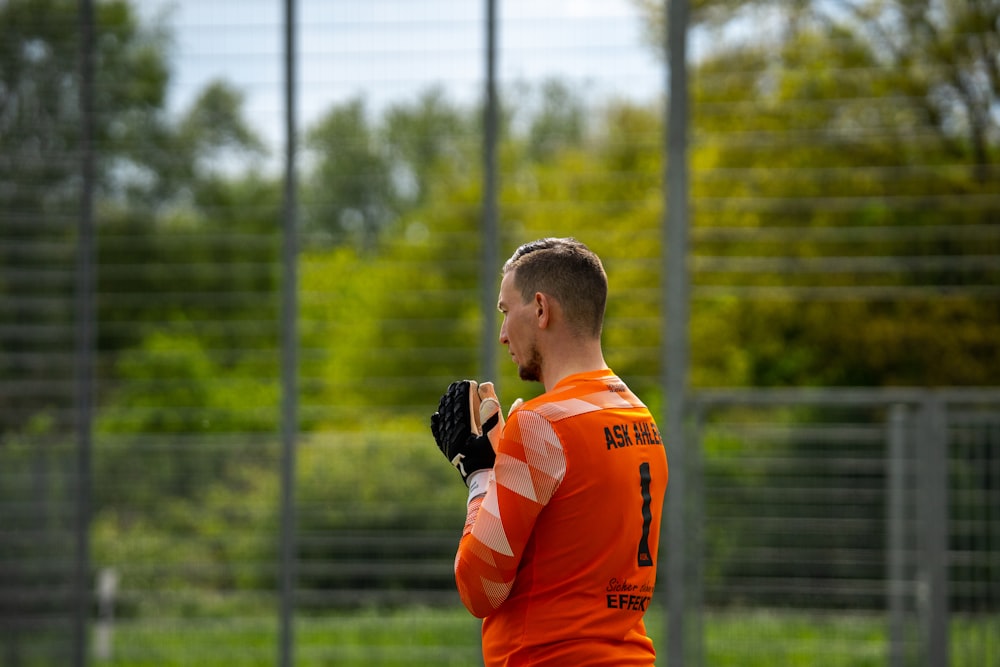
x=436, y=636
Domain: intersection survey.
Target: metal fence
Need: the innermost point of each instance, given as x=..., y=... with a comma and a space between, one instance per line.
x=212, y=440
x=851, y=527
x=811, y=502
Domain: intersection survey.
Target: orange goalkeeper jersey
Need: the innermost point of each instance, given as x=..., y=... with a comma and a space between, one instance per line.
x=559, y=556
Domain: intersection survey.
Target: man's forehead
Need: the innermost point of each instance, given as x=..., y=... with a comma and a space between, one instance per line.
x=506, y=287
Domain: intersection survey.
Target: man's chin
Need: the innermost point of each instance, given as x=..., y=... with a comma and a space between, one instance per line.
x=528, y=374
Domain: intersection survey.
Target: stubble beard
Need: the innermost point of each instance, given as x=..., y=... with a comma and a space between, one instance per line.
x=531, y=370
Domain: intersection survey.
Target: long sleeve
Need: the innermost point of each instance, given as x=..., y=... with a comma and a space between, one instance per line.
x=529, y=468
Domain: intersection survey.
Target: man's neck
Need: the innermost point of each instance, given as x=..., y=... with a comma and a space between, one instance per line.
x=586, y=360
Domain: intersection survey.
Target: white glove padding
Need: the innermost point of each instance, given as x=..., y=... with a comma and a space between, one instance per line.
x=491, y=421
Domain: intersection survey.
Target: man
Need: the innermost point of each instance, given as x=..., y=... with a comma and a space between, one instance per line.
x=559, y=550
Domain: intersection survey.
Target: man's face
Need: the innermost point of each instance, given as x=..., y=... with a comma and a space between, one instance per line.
x=519, y=329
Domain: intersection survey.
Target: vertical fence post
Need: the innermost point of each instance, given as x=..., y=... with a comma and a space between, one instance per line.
x=85, y=326
x=896, y=487
x=490, y=241
x=696, y=536
x=932, y=480
x=490, y=226
x=674, y=362
x=289, y=351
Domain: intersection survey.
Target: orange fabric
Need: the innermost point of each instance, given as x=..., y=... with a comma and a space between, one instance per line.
x=559, y=556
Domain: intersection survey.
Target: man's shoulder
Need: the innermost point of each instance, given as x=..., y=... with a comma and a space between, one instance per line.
x=583, y=394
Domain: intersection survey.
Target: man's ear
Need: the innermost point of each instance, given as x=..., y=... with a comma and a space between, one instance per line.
x=543, y=310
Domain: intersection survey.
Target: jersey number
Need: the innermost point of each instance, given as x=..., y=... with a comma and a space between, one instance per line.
x=645, y=555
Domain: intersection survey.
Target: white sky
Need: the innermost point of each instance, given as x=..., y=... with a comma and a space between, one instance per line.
x=390, y=50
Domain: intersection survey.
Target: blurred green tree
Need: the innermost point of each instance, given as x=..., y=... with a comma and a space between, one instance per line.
x=40, y=125
x=843, y=188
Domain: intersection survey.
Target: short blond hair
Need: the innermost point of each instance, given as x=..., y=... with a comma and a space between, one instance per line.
x=568, y=271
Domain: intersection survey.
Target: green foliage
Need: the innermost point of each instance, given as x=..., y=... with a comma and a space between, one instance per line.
x=350, y=196
x=219, y=539
x=437, y=637
x=373, y=339
x=393, y=478
x=158, y=432
x=863, y=159
x=449, y=636
x=369, y=172
x=170, y=384
x=424, y=141
x=38, y=492
x=40, y=134
x=943, y=57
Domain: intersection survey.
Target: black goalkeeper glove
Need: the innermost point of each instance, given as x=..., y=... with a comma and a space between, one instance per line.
x=467, y=425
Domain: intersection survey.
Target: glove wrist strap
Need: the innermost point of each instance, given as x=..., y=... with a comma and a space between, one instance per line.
x=478, y=482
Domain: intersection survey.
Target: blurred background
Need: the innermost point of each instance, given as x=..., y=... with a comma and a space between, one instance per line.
x=245, y=245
